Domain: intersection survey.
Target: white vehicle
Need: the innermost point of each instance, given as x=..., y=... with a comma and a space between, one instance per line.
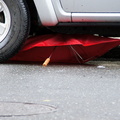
x=19, y=18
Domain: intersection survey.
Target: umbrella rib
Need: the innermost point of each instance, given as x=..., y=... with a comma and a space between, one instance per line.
x=76, y=57
x=76, y=53
x=52, y=52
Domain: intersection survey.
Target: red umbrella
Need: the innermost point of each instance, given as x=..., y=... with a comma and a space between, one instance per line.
x=65, y=48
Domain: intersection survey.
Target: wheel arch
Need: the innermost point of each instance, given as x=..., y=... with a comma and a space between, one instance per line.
x=46, y=12
x=34, y=17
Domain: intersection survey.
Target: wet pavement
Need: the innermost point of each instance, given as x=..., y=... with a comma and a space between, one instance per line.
x=60, y=91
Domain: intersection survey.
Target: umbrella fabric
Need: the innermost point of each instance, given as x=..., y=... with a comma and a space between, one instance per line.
x=65, y=48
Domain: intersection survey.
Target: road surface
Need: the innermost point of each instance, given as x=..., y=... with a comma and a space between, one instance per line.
x=60, y=92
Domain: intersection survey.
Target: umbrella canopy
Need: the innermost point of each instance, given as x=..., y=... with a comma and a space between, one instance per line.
x=65, y=48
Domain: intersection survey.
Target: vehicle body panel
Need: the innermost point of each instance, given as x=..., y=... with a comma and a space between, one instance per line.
x=95, y=17
x=52, y=12
x=61, y=14
x=46, y=12
x=91, y=6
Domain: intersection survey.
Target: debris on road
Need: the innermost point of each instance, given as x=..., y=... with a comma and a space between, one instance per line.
x=101, y=67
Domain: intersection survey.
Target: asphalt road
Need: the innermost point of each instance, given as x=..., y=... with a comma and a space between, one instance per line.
x=60, y=92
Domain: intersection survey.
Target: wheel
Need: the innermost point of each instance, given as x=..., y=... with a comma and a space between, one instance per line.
x=14, y=27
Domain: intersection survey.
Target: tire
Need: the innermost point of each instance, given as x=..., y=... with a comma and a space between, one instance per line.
x=14, y=27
